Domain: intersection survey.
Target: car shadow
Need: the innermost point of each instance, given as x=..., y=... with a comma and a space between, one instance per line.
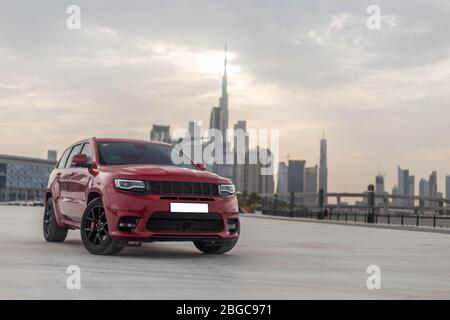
x=161, y=251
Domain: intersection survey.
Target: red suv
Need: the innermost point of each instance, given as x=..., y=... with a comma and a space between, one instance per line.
x=122, y=192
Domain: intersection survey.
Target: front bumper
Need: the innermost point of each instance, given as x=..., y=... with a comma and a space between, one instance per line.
x=157, y=223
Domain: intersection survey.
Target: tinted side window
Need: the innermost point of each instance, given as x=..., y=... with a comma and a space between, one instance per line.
x=87, y=150
x=75, y=150
x=63, y=160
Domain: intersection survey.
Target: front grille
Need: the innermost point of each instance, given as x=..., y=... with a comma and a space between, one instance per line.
x=183, y=188
x=185, y=222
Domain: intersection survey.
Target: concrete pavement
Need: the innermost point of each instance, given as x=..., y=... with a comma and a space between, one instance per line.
x=274, y=259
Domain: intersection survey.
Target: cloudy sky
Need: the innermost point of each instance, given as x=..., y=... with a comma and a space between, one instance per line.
x=382, y=96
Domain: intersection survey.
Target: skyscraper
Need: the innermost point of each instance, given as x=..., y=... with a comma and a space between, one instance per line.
x=424, y=189
x=282, y=184
x=195, y=136
x=52, y=155
x=379, y=184
x=296, y=175
x=160, y=133
x=411, y=190
x=219, y=114
x=379, y=189
x=266, y=183
x=219, y=121
x=311, y=179
x=447, y=187
x=403, y=184
x=323, y=169
x=432, y=182
x=241, y=154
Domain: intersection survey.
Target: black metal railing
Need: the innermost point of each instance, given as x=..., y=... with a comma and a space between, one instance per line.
x=416, y=220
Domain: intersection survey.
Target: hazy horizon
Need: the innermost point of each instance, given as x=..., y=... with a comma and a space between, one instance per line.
x=382, y=96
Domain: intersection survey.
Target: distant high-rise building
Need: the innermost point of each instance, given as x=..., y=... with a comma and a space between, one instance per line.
x=160, y=133
x=323, y=169
x=52, y=155
x=267, y=185
x=395, y=202
x=253, y=175
x=411, y=190
x=428, y=188
x=403, y=186
x=447, y=187
x=240, y=152
x=432, y=181
x=196, y=146
x=253, y=181
x=379, y=184
x=311, y=179
x=424, y=189
x=296, y=175
x=219, y=114
x=379, y=189
x=219, y=121
x=282, y=184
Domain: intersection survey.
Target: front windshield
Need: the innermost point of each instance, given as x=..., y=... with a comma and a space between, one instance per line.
x=117, y=153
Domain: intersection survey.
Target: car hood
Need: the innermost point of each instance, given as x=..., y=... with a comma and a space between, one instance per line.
x=165, y=173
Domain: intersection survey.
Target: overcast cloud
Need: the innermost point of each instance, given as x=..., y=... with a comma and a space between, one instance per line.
x=382, y=96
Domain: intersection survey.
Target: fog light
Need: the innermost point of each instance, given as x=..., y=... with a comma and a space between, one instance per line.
x=232, y=225
x=127, y=223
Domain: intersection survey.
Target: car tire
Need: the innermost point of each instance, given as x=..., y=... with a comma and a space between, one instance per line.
x=211, y=247
x=94, y=230
x=52, y=232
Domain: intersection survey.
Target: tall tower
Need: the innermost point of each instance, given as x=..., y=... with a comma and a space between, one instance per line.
x=219, y=114
x=323, y=169
x=219, y=121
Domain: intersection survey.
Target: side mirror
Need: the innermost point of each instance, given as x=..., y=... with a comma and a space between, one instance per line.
x=79, y=161
x=201, y=166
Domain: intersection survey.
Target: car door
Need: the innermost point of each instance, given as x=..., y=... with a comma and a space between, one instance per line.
x=67, y=192
x=58, y=183
x=79, y=183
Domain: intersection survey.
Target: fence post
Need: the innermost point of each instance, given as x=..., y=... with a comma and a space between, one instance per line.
x=417, y=220
x=389, y=219
x=434, y=221
x=291, y=209
x=275, y=203
x=402, y=219
x=371, y=203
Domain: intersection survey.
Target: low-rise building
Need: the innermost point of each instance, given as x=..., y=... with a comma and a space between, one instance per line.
x=24, y=178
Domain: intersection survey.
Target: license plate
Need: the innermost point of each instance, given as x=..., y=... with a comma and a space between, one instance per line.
x=189, y=207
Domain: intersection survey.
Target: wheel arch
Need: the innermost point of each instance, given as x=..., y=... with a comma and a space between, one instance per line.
x=48, y=195
x=93, y=194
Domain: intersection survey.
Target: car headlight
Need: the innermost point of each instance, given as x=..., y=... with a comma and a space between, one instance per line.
x=227, y=190
x=130, y=185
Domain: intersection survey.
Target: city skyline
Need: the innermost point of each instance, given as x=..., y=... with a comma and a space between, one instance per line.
x=303, y=72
